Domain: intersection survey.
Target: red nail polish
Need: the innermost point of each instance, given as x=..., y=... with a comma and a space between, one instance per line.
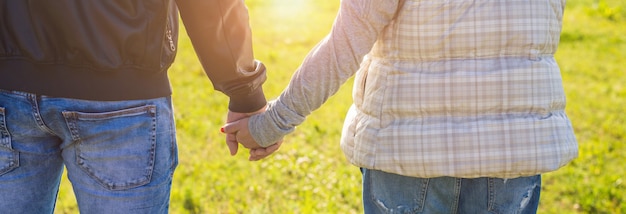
x=222, y=129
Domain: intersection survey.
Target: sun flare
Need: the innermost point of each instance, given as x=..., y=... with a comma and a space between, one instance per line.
x=288, y=8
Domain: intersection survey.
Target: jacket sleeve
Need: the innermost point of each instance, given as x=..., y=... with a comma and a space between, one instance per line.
x=220, y=33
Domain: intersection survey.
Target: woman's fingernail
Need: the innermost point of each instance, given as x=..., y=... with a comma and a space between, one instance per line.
x=222, y=129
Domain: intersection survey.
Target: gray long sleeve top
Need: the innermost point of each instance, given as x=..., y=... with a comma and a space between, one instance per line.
x=335, y=59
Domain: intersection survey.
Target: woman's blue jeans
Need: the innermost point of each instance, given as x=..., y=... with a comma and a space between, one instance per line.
x=391, y=193
x=119, y=155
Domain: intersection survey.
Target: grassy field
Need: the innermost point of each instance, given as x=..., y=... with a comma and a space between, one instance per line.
x=310, y=175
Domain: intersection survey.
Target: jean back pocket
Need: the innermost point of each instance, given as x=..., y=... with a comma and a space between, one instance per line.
x=115, y=148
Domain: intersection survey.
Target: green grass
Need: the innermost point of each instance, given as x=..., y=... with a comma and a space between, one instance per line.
x=310, y=175
x=591, y=55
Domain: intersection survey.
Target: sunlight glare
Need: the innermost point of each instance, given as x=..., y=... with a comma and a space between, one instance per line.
x=288, y=8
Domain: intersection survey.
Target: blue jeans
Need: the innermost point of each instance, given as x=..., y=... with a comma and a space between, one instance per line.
x=120, y=156
x=391, y=193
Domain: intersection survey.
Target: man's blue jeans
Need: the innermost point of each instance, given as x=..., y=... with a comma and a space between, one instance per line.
x=120, y=156
x=391, y=193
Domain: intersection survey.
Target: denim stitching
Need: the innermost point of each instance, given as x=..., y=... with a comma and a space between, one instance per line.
x=72, y=118
x=5, y=138
x=492, y=195
x=457, y=194
x=422, y=198
x=70, y=121
x=5, y=142
x=37, y=115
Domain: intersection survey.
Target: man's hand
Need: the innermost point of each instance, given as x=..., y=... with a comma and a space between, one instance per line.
x=239, y=132
x=231, y=138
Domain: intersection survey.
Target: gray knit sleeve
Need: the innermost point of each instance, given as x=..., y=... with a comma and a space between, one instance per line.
x=269, y=127
x=333, y=61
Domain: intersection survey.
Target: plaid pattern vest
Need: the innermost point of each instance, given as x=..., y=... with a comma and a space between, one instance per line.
x=465, y=89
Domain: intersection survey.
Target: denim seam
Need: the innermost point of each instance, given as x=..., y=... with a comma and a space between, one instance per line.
x=5, y=137
x=457, y=194
x=492, y=195
x=152, y=111
x=70, y=121
x=173, y=145
x=37, y=115
x=5, y=141
x=422, y=198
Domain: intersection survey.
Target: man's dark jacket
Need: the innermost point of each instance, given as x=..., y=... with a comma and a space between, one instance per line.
x=121, y=49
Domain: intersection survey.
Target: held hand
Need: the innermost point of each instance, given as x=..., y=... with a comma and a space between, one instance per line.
x=231, y=138
x=258, y=154
x=240, y=133
x=237, y=132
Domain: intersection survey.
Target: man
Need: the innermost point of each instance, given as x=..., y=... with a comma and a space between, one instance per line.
x=84, y=84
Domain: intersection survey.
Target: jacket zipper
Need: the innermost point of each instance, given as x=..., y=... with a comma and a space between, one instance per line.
x=168, y=34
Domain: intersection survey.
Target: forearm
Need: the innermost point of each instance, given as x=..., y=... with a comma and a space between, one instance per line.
x=220, y=33
x=326, y=67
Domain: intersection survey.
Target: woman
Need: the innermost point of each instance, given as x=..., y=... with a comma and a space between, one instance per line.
x=458, y=104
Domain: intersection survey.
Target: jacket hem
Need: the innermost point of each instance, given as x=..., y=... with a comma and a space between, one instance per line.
x=83, y=83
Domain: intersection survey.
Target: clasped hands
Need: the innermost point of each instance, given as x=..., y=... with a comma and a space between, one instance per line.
x=237, y=132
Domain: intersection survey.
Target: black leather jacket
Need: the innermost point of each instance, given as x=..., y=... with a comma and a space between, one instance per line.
x=121, y=49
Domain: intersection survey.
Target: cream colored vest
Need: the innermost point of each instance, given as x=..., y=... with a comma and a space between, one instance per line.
x=465, y=89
